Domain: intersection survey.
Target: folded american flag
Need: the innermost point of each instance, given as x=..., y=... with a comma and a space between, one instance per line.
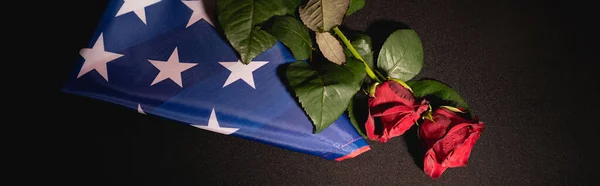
x=165, y=58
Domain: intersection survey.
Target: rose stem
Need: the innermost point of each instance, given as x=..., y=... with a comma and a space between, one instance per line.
x=341, y=35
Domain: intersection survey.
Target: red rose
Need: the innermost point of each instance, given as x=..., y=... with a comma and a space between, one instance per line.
x=395, y=106
x=449, y=139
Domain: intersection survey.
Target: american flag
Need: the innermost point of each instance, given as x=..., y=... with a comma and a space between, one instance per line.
x=165, y=58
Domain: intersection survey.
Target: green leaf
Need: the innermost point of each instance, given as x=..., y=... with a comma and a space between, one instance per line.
x=330, y=47
x=401, y=56
x=292, y=6
x=240, y=19
x=437, y=93
x=362, y=44
x=355, y=5
x=323, y=15
x=291, y=32
x=358, y=113
x=325, y=89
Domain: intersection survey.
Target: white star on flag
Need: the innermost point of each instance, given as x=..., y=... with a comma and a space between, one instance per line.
x=96, y=58
x=136, y=6
x=213, y=125
x=171, y=69
x=140, y=110
x=198, y=12
x=241, y=71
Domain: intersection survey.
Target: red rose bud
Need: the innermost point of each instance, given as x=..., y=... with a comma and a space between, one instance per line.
x=449, y=139
x=395, y=106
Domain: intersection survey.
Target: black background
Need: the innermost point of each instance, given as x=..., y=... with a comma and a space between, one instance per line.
x=524, y=67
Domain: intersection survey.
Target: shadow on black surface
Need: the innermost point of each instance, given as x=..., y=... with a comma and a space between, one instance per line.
x=414, y=145
x=380, y=30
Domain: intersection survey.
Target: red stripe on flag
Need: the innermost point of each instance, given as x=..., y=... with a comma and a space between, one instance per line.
x=354, y=153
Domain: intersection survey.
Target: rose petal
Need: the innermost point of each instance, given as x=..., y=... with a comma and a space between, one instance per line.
x=401, y=91
x=402, y=124
x=385, y=95
x=431, y=131
x=399, y=123
x=454, y=117
x=460, y=156
x=390, y=121
x=431, y=167
x=394, y=105
x=451, y=141
x=385, y=137
x=404, y=121
x=370, y=127
x=394, y=110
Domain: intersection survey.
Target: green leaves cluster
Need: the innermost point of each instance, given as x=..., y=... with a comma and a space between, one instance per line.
x=327, y=79
x=321, y=16
x=293, y=34
x=241, y=21
x=325, y=89
x=322, y=88
x=329, y=87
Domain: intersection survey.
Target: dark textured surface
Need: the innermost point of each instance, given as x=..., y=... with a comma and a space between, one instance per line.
x=524, y=67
